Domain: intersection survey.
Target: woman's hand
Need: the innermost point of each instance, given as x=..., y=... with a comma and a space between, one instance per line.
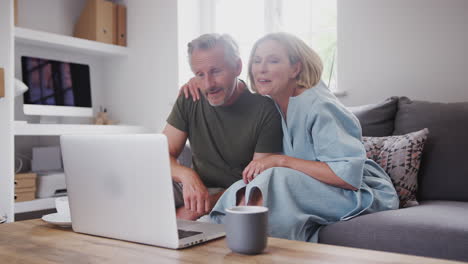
x=191, y=87
x=257, y=166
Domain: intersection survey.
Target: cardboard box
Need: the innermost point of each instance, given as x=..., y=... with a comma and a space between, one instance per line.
x=25, y=180
x=2, y=83
x=97, y=22
x=121, y=29
x=25, y=187
x=25, y=194
x=15, y=8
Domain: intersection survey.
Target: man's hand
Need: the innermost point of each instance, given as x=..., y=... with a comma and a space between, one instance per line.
x=183, y=213
x=258, y=165
x=196, y=196
x=191, y=88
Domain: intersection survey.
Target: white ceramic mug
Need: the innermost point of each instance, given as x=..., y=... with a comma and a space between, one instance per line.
x=61, y=204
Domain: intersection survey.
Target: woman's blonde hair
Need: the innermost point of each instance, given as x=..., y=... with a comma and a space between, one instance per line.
x=298, y=51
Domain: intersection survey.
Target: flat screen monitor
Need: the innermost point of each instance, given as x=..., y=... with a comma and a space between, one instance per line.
x=56, y=88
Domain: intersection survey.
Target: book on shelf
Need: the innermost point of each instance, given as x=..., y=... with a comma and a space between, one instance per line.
x=15, y=12
x=102, y=21
x=2, y=83
x=121, y=17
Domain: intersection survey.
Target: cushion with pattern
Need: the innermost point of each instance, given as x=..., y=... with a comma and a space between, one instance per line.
x=400, y=157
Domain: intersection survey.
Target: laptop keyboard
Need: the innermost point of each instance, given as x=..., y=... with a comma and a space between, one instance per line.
x=186, y=233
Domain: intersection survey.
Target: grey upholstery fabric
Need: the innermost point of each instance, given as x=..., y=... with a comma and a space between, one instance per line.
x=436, y=229
x=185, y=156
x=377, y=119
x=444, y=165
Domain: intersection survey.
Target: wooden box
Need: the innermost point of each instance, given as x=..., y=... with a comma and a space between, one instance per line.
x=25, y=194
x=97, y=22
x=15, y=13
x=121, y=25
x=25, y=180
x=2, y=83
x=25, y=187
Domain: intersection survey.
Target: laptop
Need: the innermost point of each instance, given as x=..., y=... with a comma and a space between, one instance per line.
x=120, y=186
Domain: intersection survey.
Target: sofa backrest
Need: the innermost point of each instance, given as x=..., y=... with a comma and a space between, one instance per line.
x=443, y=173
x=377, y=120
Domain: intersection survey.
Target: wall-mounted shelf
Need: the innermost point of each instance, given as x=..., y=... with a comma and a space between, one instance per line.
x=67, y=43
x=25, y=129
x=35, y=205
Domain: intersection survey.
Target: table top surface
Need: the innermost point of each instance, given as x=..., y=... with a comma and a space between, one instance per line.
x=35, y=241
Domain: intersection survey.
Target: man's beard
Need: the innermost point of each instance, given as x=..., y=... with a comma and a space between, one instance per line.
x=219, y=91
x=227, y=96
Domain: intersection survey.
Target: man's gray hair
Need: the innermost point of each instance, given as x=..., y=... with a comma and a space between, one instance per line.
x=209, y=41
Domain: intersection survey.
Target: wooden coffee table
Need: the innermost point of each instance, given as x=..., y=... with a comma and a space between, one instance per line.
x=34, y=241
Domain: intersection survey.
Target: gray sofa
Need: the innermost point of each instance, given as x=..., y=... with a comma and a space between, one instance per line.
x=438, y=226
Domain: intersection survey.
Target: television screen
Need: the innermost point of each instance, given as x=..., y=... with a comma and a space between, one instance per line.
x=56, y=83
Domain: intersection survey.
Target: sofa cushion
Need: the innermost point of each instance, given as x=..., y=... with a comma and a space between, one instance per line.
x=400, y=157
x=444, y=164
x=433, y=229
x=377, y=119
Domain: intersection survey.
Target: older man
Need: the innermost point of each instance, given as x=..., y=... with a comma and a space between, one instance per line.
x=227, y=128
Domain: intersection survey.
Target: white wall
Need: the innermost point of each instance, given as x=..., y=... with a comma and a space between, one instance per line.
x=149, y=87
x=55, y=16
x=416, y=48
x=6, y=111
x=188, y=27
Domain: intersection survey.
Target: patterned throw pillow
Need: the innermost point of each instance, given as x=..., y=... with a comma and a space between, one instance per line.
x=400, y=157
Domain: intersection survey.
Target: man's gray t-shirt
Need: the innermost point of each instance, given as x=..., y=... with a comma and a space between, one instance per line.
x=223, y=139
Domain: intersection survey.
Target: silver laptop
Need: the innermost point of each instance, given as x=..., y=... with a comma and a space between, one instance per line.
x=120, y=186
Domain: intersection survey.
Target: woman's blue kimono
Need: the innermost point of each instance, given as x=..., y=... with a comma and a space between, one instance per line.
x=318, y=128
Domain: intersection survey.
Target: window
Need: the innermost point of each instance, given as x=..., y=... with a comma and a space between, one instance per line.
x=314, y=21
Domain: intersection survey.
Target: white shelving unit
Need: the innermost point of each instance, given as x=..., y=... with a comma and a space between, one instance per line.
x=25, y=129
x=35, y=205
x=67, y=43
x=136, y=83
